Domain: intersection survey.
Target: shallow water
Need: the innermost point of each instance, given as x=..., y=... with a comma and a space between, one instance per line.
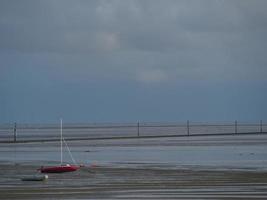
x=238, y=152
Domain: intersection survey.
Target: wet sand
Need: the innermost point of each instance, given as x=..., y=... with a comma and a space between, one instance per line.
x=103, y=182
x=225, y=167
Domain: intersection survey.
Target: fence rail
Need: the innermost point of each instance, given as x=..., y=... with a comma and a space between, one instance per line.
x=17, y=132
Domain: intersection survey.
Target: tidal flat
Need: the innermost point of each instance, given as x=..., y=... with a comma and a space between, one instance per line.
x=225, y=167
x=97, y=182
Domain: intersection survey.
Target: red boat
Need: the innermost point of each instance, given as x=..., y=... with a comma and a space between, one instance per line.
x=62, y=167
x=59, y=169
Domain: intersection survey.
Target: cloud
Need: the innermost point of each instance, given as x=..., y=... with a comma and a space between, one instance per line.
x=107, y=41
x=100, y=59
x=192, y=39
x=152, y=76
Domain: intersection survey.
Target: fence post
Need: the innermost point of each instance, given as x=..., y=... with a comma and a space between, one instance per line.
x=235, y=126
x=138, y=133
x=15, y=132
x=261, y=126
x=188, y=127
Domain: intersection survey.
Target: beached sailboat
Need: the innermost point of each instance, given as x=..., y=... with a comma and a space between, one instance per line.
x=62, y=167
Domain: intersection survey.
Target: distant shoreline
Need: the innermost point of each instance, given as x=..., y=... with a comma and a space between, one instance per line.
x=133, y=137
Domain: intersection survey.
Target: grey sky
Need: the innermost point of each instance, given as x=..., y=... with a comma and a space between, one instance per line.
x=146, y=46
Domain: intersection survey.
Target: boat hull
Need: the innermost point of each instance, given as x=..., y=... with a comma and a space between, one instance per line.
x=59, y=169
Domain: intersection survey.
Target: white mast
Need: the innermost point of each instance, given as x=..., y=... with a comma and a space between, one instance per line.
x=61, y=155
